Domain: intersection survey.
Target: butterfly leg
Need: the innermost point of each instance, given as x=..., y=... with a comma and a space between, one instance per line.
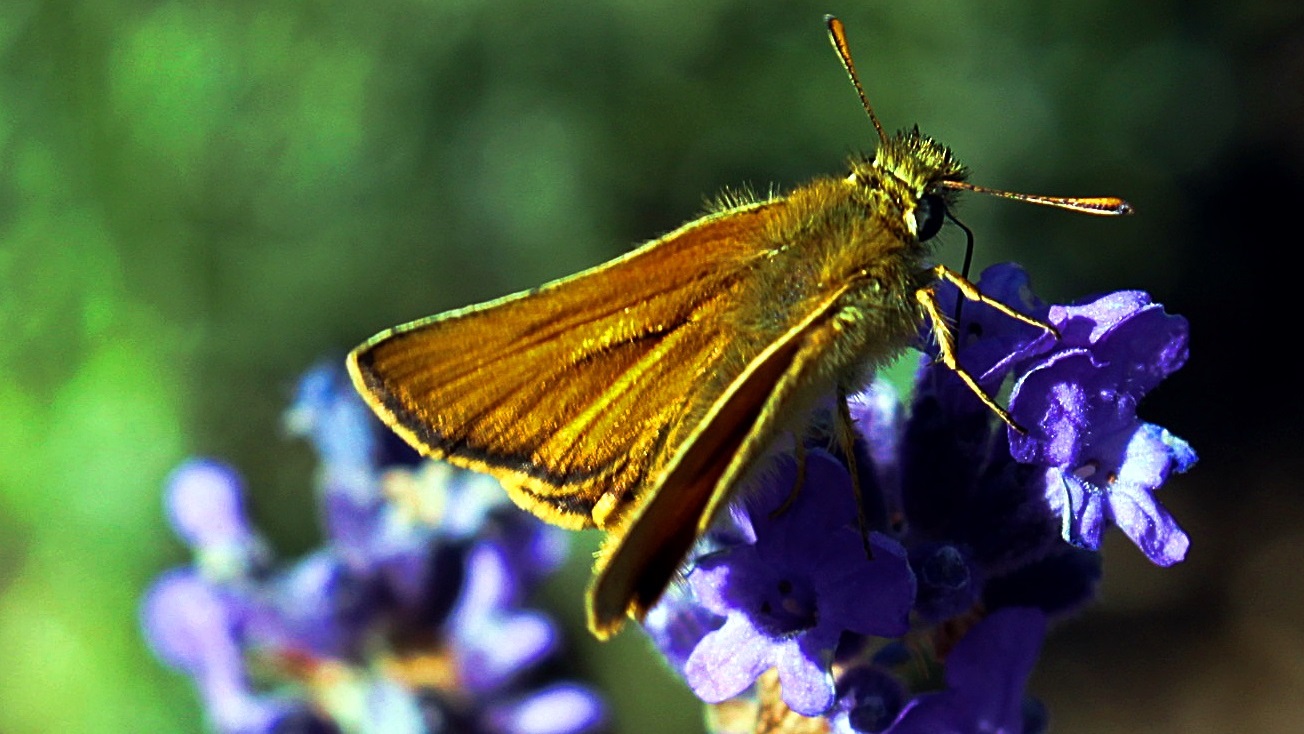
x=971, y=292
x=846, y=432
x=946, y=351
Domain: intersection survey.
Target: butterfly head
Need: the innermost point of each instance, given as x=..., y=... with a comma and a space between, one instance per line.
x=910, y=171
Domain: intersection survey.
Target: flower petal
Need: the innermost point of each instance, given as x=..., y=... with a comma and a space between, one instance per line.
x=205, y=504
x=188, y=624
x=557, y=709
x=728, y=660
x=1137, y=513
x=805, y=674
x=1084, y=515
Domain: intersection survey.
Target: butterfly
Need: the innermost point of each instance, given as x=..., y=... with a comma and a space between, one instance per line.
x=637, y=396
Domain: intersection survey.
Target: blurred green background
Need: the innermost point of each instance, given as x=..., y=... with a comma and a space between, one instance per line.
x=198, y=200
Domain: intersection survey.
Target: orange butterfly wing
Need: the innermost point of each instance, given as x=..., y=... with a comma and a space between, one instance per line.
x=568, y=393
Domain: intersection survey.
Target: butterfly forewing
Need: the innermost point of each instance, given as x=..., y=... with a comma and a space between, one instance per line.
x=640, y=561
x=566, y=392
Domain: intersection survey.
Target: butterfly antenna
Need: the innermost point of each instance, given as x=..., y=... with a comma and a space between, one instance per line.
x=1107, y=206
x=838, y=35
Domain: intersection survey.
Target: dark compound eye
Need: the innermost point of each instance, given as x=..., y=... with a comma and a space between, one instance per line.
x=929, y=215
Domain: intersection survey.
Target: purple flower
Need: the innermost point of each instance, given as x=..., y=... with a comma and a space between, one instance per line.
x=195, y=628
x=879, y=417
x=961, y=489
x=982, y=515
x=558, y=709
x=1057, y=583
x=408, y=618
x=788, y=597
x=319, y=606
x=493, y=640
x=678, y=623
x=1099, y=462
x=869, y=698
x=205, y=504
x=949, y=580
x=985, y=676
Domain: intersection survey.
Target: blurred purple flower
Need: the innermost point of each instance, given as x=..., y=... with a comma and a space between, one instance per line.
x=409, y=618
x=204, y=500
x=194, y=627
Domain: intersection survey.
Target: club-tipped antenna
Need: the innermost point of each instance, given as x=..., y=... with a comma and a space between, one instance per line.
x=1108, y=206
x=838, y=35
x=1105, y=206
